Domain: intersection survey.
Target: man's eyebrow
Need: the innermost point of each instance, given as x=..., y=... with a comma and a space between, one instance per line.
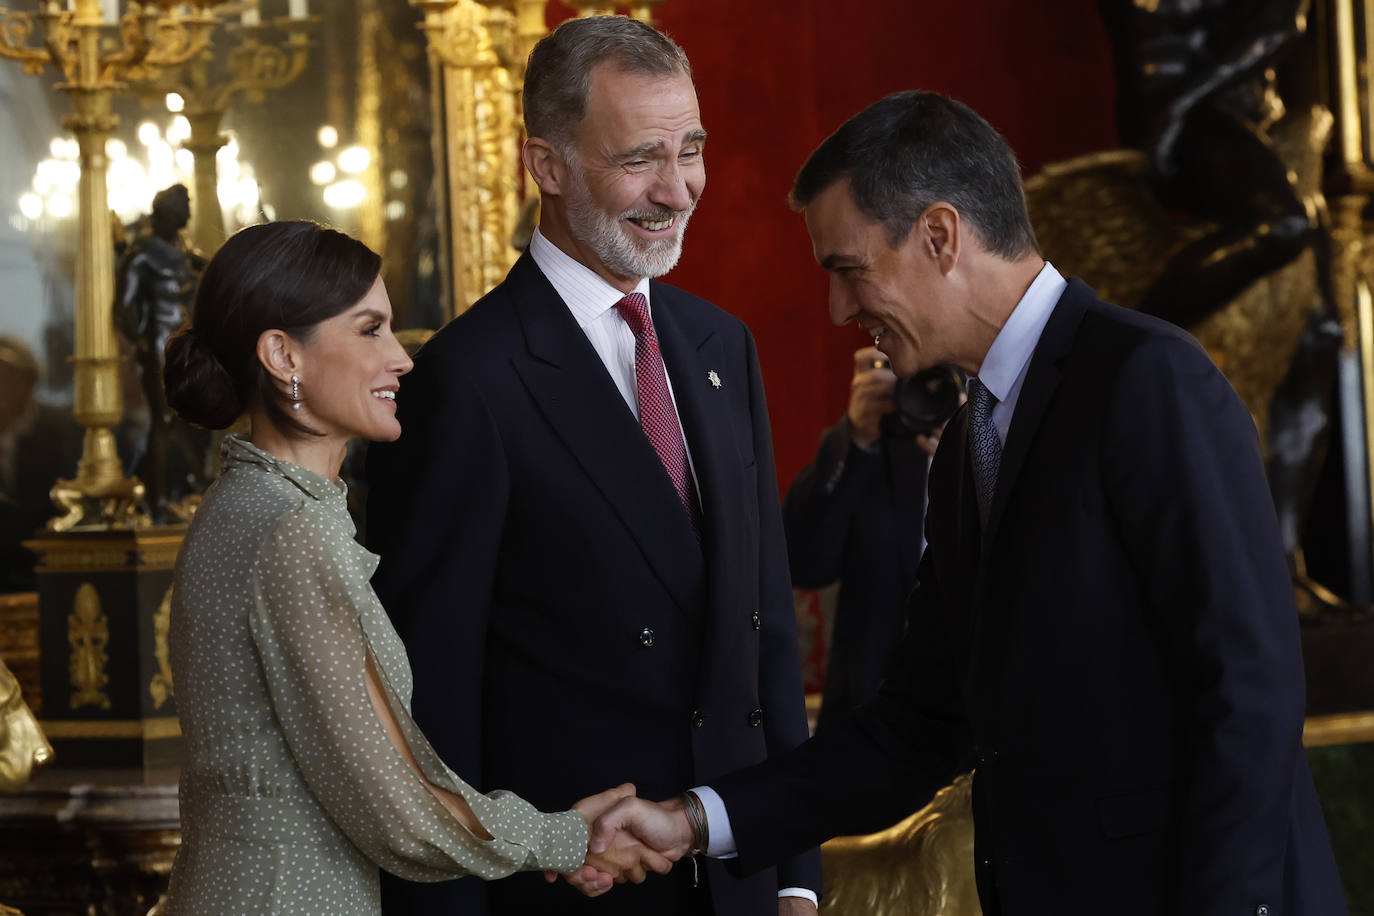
x=644, y=149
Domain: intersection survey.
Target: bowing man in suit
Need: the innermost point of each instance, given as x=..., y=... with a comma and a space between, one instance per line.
x=580, y=534
x=1104, y=625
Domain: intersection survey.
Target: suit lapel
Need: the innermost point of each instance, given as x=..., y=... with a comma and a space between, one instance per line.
x=573, y=391
x=1041, y=381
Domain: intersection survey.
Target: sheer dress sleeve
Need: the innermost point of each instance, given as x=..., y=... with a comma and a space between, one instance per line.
x=312, y=612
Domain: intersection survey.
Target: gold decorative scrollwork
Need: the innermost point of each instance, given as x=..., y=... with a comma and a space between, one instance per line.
x=88, y=634
x=161, y=686
x=16, y=28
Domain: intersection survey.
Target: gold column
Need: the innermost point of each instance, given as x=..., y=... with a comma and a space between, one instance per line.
x=371, y=212
x=100, y=496
x=1352, y=25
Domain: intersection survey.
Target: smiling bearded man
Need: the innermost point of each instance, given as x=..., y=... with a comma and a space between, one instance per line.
x=580, y=535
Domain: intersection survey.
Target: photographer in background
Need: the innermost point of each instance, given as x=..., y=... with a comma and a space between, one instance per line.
x=855, y=514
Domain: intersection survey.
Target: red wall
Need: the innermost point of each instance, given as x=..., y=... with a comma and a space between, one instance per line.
x=775, y=78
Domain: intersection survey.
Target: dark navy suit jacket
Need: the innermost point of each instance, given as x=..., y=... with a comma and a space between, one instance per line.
x=567, y=630
x=1118, y=650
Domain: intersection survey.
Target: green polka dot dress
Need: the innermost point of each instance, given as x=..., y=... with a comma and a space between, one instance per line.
x=292, y=796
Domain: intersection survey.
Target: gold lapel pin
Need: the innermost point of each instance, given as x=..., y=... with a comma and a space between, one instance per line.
x=713, y=378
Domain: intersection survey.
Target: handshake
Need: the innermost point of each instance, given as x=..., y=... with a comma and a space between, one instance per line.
x=630, y=837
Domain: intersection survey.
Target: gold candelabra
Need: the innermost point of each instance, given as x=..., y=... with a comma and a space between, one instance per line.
x=148, y=37
x=254, y=66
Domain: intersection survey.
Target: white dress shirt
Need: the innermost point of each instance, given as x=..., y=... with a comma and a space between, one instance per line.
x=1004, y=368
x=592, y=303
x=1003, y=372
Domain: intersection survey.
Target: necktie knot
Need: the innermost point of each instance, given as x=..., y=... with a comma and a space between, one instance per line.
x=634, y=308
x=987, y=444
x=981, y=400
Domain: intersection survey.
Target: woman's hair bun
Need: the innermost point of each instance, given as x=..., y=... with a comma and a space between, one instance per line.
x=198, y=386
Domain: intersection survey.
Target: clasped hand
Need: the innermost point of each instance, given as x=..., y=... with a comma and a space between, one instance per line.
x=627, y=841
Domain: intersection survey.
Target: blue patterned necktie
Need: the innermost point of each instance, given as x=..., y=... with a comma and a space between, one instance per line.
x=987, y=445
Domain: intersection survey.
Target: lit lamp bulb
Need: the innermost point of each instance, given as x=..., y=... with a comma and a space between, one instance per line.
x=354, y=160
x=322, y=172
x=31, y=205
x=345, y=195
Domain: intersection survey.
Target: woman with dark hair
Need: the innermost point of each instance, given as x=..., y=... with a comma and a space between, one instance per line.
x=304, y=771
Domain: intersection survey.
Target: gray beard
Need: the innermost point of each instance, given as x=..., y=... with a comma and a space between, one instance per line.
x=622, y=255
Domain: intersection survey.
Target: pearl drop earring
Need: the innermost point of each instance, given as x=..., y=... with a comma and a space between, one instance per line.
x=295, y=392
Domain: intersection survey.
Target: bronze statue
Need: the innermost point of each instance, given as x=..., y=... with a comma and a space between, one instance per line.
x=1197, y=93
x=154, y=284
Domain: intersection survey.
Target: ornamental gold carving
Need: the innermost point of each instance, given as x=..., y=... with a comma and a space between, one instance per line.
x=22, y=745
x=88, y=634
x=481, y=145
x=161, y=686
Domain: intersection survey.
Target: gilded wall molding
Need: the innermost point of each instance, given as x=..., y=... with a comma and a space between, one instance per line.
x=160, y=688
x=143, y=729
x=88, y=634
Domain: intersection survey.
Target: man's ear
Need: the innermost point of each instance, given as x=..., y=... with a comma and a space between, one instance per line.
x=941, y=227
x=280, y=355
x=546, y=165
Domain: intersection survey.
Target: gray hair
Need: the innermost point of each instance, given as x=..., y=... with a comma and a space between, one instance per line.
x=558, y=77
x=905, y=152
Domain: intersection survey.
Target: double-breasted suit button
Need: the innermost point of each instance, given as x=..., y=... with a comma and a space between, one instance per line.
x=1261, y=910
x=698, y=718
x=755, y=620
x=755, y=718
x=646, y=637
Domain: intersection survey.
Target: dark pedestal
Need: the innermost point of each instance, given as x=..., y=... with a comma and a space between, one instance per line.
x=104, y=602
x=87, y=843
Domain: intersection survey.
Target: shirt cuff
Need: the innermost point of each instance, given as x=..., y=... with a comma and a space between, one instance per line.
x=720, y=842
x=801, y=892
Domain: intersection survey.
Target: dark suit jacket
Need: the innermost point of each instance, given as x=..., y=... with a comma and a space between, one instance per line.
x=855, y=516
x=567, y=630
x=1119, y=649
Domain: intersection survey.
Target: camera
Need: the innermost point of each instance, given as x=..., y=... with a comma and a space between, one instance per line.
x=924, y=401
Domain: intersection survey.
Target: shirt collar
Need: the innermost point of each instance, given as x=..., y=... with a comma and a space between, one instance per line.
x=236, y=451
x=1014, y=345
x=586, y=294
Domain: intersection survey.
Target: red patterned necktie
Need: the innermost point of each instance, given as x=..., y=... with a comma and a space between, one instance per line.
x=657, y=415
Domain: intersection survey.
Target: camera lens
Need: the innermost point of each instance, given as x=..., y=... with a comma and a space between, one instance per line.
x=927, y=399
